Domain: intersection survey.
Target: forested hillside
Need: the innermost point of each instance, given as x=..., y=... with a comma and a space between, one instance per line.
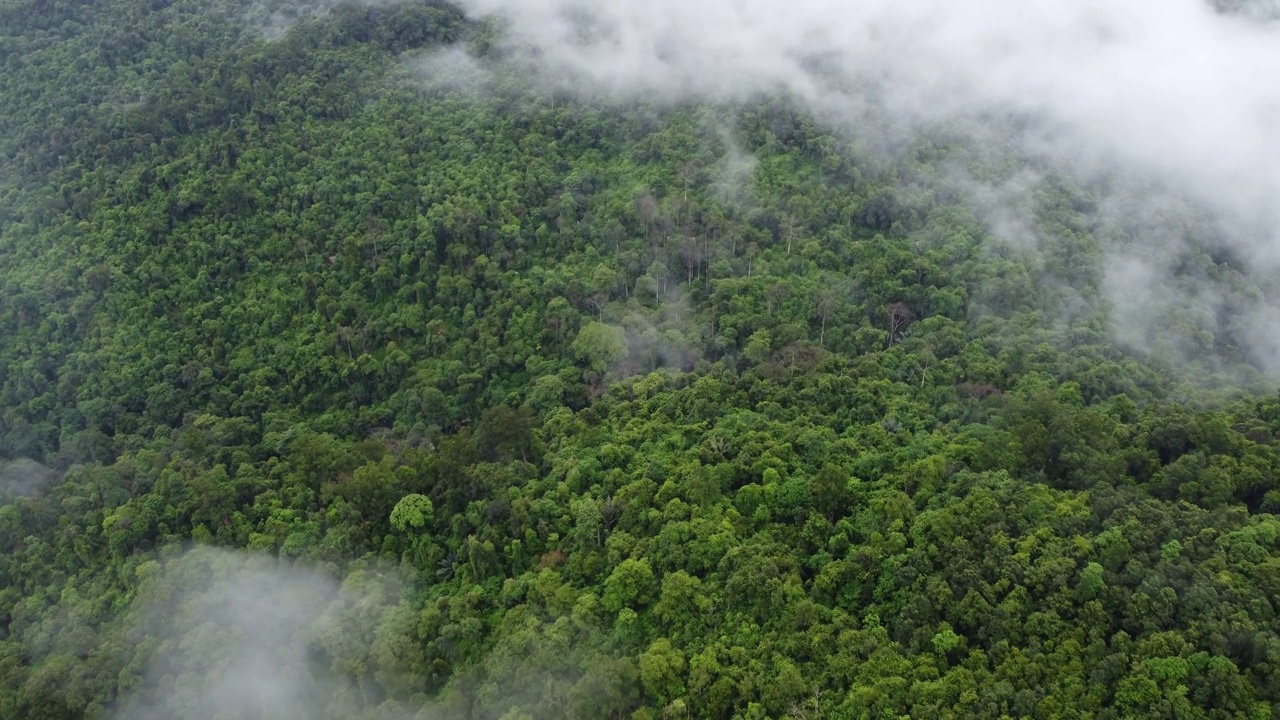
x=347, y=372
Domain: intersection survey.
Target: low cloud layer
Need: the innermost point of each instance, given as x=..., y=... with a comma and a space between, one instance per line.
x=1173, y=84
x=1174, y=95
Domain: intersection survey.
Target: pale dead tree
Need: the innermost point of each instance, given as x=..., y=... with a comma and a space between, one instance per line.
x=658, y=271
x=373, y=231
x=689, y=253
x=647, y=211
x=825, y=304
x=303, y=244
x=675, y=212
x=345, y=335
x=558, y=694
x=610, y=512
x=717, y=446
x=800, y=712
x=555, y=323
x=687, y=174
x=713, y=232
x=613, y=233
x=596, y=303
x=775, y=295
x=900, y=316
x=790, y=228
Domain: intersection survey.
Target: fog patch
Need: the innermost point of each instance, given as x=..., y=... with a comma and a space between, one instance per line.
x=23, y=477
x=734, y=172
x=248, y=636
x=453, y=69
x=662, y=338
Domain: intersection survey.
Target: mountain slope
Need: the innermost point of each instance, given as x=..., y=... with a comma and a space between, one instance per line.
x=524, y=404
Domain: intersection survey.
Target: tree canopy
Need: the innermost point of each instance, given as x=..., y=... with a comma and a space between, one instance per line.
x=333, y=388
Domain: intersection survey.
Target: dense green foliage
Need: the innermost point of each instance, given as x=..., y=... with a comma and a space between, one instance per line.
x=663, y=410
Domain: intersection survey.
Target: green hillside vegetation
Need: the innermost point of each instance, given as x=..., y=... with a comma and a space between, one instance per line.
x=605, y=409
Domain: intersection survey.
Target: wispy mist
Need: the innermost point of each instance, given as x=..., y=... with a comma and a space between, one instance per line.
x=23, y=477
x=241, y=635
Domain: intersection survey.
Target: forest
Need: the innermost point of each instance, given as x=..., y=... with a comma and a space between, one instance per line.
x=347, y=374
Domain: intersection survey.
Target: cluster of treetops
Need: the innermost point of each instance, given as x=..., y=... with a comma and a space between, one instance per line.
x=657, y=410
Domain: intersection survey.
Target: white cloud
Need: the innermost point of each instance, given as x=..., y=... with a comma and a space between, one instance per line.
x=1170, y=91
x=1169, y=83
